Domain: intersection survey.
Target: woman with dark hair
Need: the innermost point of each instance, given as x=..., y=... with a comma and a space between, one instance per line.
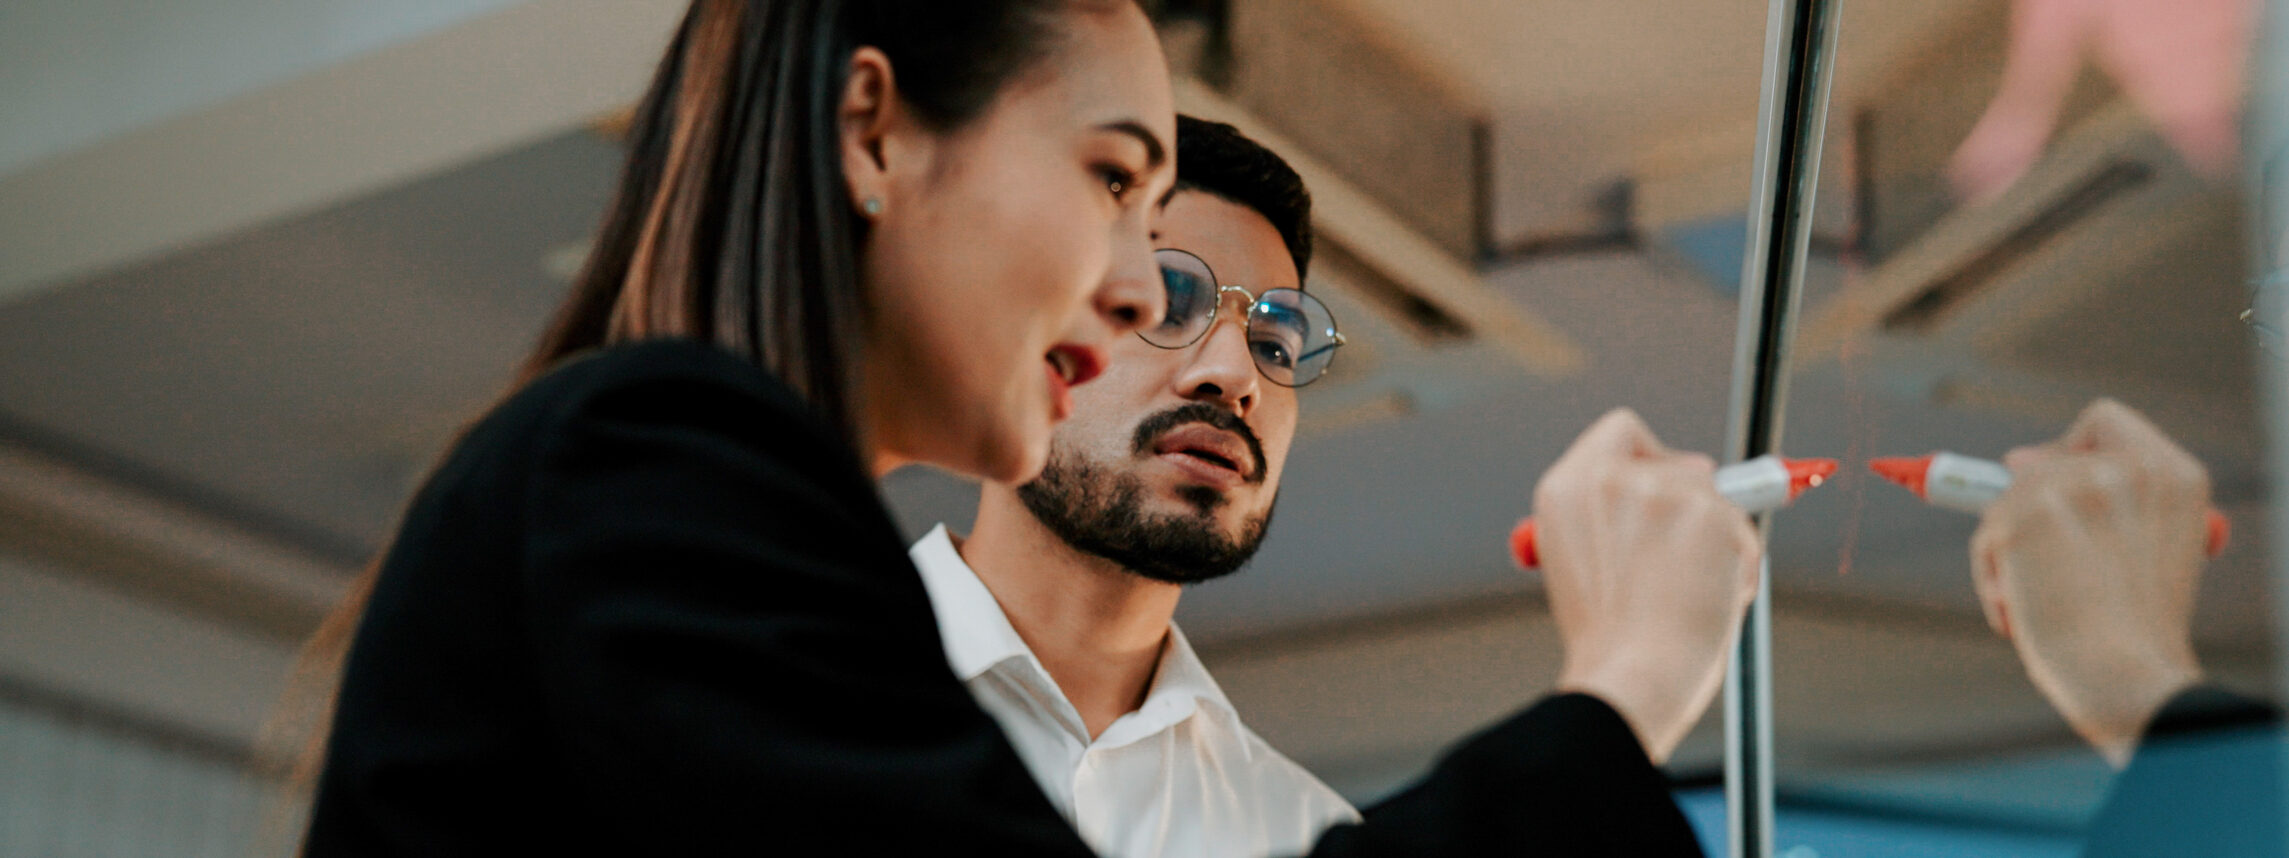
x=652, y=601
x=653, y=593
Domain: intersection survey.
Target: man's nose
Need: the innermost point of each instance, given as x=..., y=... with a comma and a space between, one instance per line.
x=1222, y=369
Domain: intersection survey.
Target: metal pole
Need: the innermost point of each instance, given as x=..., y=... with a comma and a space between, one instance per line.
x=1792, y=119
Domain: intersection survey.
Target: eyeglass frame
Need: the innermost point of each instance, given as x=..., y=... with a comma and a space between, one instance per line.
x=1334, y=334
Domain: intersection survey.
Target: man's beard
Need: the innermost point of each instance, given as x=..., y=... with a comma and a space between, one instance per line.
x=1099, y=510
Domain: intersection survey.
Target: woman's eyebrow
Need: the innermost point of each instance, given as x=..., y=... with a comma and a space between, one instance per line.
x=1156, y=152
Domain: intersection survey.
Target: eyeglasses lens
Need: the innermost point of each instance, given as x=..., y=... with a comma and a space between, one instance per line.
x=1191, y=300
x=1292, y=337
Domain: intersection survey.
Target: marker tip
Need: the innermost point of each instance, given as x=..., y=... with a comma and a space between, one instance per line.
x=1522, y=548
x=1807, y=474
x=1907, y=471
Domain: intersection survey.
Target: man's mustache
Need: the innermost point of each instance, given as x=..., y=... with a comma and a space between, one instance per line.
x=1200, y=412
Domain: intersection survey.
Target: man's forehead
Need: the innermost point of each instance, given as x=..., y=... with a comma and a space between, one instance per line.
x=1238, y=242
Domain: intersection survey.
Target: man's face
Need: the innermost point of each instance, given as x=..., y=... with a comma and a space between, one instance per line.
x=1171, y=460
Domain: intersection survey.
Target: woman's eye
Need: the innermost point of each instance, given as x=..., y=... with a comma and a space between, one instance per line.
x=1117, y=181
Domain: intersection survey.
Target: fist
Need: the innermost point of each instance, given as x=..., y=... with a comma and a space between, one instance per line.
x=2089, y=565
x=1648, y=571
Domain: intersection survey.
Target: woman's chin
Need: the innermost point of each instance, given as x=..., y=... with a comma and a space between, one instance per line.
x=1022, y=463
x=1023, y=456
x=1009, y=460
x=1009, y=451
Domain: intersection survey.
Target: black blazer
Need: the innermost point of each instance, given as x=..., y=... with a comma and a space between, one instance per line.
x=650, y=605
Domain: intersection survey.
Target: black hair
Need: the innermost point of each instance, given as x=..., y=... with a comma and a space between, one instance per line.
x=732, y=222
x=1216, y=158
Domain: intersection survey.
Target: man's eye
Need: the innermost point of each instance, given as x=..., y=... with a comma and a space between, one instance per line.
x=1272, y=352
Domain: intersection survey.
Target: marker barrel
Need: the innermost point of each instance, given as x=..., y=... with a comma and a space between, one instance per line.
x=1966, y=484
x=1762, y=484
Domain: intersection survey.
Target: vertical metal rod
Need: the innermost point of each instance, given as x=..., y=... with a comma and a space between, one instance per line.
x=1792, y=120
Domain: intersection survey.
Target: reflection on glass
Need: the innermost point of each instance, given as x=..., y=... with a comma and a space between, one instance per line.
x=2034, y=617
x=2266, y=315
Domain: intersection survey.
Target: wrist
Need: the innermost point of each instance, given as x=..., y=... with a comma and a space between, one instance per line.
x=2115, y=730
x=1645, y=703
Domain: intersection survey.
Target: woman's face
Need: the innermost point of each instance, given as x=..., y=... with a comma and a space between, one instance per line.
x=1009, y=253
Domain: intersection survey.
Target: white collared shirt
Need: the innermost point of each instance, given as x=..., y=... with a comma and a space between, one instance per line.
x=1180, y=776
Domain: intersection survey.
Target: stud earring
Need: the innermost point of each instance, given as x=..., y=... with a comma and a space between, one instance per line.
x=873, y=206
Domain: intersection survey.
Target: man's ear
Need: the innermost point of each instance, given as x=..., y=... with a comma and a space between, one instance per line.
x=865, y=118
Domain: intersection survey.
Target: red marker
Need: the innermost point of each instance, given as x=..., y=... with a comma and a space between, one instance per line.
x=1762, y=484
x=1966, y=484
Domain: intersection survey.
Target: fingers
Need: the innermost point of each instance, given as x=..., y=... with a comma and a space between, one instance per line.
x=1987, y=577
x=1594, y=461
x=1684, y=483
x=2025, y=460
x=1751, y=566
x=2113, y=457
x=2097, y=427
x=2113, y=461
x=2107, y=426
x=1620, y=432
x=1667, y=473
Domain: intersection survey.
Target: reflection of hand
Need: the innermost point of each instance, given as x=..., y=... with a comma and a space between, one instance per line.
x=1648, y=571
x=2088, y=565
x=2184, y=63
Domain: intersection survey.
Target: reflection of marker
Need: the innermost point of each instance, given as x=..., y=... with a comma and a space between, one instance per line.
x=1762, y=484
x=1966, y=484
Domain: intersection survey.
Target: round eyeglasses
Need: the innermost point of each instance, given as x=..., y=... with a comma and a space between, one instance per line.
x=1291, y=335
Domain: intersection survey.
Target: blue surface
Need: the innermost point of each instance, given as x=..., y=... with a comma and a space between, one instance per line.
x=1828, y=834
x=1716, y=248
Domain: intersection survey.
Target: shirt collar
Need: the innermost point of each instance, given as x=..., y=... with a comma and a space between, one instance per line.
x=1181, y=685
x=978, y=637
x=976, y=633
